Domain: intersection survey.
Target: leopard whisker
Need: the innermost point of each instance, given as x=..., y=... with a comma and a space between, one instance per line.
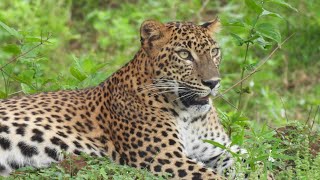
x=161, y=88
x=184, y=96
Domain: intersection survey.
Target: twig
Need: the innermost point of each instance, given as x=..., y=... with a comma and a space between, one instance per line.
x=242, y=74
x=23, y=54
x=15, y=78
x=5, y=82
x=205, y=3
x=256, y=69
x=226, y=100
x=280, y=134
x=16, y=93
x=245, y=60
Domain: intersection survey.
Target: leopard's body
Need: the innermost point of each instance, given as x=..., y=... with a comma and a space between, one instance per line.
x=153, y=113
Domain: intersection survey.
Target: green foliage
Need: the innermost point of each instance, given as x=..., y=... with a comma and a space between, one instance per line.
x=67, y=44
x=86, y=168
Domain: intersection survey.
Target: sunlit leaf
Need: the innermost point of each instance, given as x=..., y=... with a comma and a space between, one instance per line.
x=98, y=67
x=26, y=76
x=3, y=95
x=235, y=22
x=268, y=13
x=238, y=39
x=283, y=3
x=252, y=4
x=76, y=72
x=12, y=49
x=215, y=144
x=87, y=65
x=263, y=43
x=269, y=31
x=26, y=88
x=11, y=31
x=32, y=39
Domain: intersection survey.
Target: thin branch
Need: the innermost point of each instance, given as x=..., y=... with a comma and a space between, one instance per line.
x=227, y=101
x=245, y=61
x=205, y=3
x=26, y=52
x=256, y=69
x=16, y=78
x=5, y=82
x=242, y=74
x=279, y=133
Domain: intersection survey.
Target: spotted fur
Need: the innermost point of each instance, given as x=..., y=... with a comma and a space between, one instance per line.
x=153, y=113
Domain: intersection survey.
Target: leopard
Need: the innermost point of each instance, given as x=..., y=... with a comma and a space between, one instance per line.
x=154, y=113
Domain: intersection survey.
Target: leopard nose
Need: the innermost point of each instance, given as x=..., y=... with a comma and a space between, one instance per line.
x=210, y=83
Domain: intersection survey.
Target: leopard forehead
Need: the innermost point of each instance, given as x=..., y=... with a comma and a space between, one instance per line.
x=190, y=35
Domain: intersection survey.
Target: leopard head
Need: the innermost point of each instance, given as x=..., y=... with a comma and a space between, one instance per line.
x=184, y=59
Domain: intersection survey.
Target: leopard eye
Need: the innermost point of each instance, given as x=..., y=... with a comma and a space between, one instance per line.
x=185, y=54
x=215, y=52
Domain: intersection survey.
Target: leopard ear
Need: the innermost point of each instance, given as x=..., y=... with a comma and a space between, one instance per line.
x=212, y=26
x=151, y=30
x=152, y=35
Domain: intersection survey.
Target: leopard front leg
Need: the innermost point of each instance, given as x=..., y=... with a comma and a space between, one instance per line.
x=178, y=166
x=225, y=165
x=224, y=162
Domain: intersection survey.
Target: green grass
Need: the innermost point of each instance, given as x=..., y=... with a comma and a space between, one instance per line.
x=84, y=167
x=278, y=120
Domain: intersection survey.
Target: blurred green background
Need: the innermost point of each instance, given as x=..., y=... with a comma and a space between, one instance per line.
x=91, y=39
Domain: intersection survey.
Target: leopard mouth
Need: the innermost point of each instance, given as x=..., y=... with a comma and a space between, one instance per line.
x=200, y=101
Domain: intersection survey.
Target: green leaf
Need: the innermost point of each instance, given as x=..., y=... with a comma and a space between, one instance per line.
x=76, y=72
x=215, y=144
x=87, y=65
x=283, y=3
x=103, y=173
x=250, y=67
x=26, y=88
x=238, y=39
x=32, y=39
x=263, y=43
x=254, y=6
x=3, y=95
x=246, y=90
x=268, y=13
x=269, y=31
x=12, y=49
x=26, y=76
x=235, y=22
x=11, y=31
x=98, y=67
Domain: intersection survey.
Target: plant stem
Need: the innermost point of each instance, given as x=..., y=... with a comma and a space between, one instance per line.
x=248, y=41
x=28, y=51
x=5, y=84
x=256, y=69
x=242, y=74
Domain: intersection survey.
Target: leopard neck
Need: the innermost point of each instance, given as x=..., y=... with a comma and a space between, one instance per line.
x=127, y=86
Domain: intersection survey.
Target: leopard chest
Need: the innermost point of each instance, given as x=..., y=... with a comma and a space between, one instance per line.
x=193, y=130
